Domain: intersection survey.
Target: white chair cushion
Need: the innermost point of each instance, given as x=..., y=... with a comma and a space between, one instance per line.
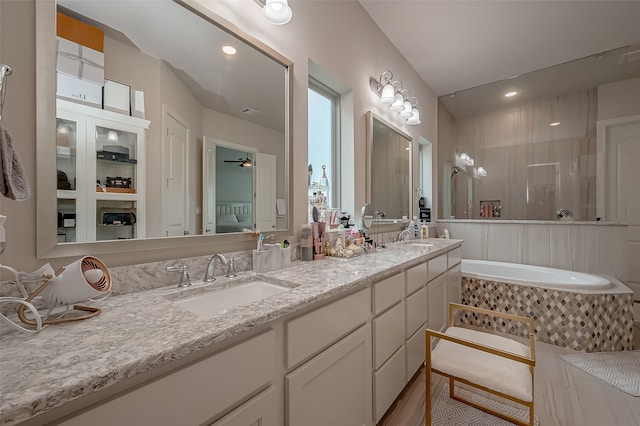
x=482, y=368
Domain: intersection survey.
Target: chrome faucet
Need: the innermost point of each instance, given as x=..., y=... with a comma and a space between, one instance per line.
x=403, y=234
x=209, y=275
x=185, y=281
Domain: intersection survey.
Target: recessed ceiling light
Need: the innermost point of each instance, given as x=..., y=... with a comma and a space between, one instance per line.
x=555, y=123
x=510, y=94
x=228, y=49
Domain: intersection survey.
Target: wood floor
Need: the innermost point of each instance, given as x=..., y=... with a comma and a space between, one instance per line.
x=564, y=396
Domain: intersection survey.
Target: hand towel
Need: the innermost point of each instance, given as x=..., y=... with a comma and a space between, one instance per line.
x=13, y=182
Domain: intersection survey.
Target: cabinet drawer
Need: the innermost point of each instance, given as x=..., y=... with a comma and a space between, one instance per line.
x=453, y=284
x=389, y=382
x=415, y=352
x=454, y=257
x=195, y=393
x=334, y=387
x=263, y=409
x=316, y=330
x=387, y=292
x=416, y=311
x=388, y=331
x=416, y=277
x=436, y=266
x=437, y=303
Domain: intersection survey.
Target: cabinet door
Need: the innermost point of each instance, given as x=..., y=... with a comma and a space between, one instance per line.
x=71, y=166
x=389, y=382
x=334, y=388
x=437, y=303
x=388, y=330
x=261, y=410
x=453, y=284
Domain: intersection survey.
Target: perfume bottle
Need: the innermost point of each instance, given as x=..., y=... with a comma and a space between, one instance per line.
x=323, y=180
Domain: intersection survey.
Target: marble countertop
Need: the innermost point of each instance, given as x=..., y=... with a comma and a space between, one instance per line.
x=534, y=222
x=138, y=332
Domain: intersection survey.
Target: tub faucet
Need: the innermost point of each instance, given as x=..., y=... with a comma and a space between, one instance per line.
x=210, y=272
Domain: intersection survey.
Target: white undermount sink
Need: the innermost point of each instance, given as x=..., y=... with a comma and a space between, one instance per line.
x=422, y=244
x=219, y=301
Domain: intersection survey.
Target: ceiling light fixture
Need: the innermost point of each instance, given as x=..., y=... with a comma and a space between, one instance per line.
x=510, y=94
x=229, y=50
x=391, y=93
x=555, y=123
x=277, y=12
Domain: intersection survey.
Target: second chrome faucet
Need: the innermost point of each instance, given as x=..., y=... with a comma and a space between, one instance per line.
x=209, y=275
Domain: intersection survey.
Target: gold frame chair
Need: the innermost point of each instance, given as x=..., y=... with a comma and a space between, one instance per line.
x=530, y=361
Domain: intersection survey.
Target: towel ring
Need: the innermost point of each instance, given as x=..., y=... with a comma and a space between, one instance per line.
x=5, y=71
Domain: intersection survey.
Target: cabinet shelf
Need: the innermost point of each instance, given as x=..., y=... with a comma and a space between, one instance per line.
x=80, y=155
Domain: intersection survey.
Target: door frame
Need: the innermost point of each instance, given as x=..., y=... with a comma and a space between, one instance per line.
x=166, y=111
x=602, y=128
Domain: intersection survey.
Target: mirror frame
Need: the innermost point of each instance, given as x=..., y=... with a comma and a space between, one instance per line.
x=47, y=245
x=369, y=134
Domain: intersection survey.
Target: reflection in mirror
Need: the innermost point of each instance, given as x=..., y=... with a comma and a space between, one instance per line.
x=389, y=172
x=366, y=216
x=150, y=163
x=537, y=149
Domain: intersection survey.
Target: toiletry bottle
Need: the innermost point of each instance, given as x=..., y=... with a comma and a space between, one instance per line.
x=424, y=231
x=414, y=228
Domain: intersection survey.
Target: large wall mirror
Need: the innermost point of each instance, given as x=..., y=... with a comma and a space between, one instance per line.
x=208, y=153
x=537, y=148
x=388, y=170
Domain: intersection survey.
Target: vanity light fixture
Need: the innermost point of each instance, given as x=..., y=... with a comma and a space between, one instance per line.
x=277, y=12
x=229, y=50
x=510, y=94
x=463, y=160
x=391, y=93
x=481, y=172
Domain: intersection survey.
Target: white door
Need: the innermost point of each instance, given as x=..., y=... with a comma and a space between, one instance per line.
x=208, y=186
x=618, y=177
x=175, y=177
x=265, y=175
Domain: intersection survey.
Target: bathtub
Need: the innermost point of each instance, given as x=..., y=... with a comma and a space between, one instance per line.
x=575, y=310
x=535, y=276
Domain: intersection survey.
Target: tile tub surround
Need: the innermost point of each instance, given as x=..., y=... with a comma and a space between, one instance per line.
x=141, y=331
x=580, y=321
x=591, y=247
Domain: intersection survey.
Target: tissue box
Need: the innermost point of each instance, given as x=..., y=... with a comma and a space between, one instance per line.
x=116, y=97
x=80, y=61
x=77, y=90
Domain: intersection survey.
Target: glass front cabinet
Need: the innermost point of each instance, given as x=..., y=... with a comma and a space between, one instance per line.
x=100, y=161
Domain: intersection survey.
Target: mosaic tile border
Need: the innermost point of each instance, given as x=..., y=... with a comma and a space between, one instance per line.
x=582, y=322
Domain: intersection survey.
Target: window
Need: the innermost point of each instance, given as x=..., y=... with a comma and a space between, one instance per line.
x=323, y=149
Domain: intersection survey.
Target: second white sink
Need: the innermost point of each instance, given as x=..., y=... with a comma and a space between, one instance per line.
x=219, y=301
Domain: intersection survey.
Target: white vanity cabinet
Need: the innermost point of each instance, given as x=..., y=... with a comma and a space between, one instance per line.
x=199, y=392
x=100, y=158
x=334, y=386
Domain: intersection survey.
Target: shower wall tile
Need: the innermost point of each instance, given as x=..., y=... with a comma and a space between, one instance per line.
x=535, y=241
x=560, y=247
x=598, y=249
x=475, y=240
x=505, y=243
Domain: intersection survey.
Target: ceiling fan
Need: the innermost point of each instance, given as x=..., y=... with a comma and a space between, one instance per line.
x=244, y=162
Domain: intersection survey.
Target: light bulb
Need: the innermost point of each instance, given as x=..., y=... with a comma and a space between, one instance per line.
x=112, y=136
x=398, y=103
x=407, y=111
x=387, y=97
x=415, y=117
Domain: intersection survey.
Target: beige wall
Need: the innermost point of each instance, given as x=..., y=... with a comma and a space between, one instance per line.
x=338, y=36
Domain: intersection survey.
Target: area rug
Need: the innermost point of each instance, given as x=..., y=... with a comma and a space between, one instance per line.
x=449, y=412
x=618, y=369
